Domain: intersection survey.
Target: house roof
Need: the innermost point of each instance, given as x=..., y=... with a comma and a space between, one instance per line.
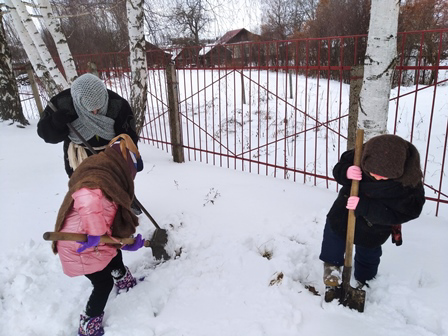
x=223, y=40
x=229, y=35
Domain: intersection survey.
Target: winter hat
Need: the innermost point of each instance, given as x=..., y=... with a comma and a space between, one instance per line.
x=392, y=157
x=124, y=145
x=89, y=93
x=385, y=155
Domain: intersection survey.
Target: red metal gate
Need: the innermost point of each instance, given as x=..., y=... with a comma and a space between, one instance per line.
x=281, y=108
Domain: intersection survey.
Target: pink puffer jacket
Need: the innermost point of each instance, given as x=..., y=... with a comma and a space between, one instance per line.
x=92, y=213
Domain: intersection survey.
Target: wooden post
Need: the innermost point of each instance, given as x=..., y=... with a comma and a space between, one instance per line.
x=177, y=146
x=356, y=76
x=29, y=70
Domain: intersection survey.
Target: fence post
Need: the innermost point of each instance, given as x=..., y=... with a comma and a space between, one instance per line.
x=29, y=70
x=356, y=76
x=177, y=146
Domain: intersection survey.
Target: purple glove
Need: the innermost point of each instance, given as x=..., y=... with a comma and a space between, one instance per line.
x=138, y=243
x=352, y=202
x=354, y=173
x=91, y=241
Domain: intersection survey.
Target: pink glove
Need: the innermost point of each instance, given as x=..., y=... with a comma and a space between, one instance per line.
x=354, y=173
x=352, y=202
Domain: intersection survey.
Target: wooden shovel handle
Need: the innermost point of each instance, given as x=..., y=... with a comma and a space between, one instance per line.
x=83, y=237
x=353, y=192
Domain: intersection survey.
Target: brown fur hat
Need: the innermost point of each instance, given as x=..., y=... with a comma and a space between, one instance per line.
x=392, y=157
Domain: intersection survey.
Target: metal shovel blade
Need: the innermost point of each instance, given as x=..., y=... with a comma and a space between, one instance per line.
x=159, y=241
x=353, y=298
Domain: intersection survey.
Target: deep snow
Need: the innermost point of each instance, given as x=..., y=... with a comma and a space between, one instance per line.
x=224, y=223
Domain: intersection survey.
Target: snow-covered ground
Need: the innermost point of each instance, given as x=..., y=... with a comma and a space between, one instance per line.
x=249, y=245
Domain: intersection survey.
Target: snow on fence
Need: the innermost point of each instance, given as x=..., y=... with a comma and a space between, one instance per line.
x=281, y=108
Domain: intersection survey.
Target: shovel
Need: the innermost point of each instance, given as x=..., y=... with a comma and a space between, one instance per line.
x=155, y=245
x=348, y=296
x=81, y=237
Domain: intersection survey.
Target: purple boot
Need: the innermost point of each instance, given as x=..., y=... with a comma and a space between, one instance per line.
x=91, y=326
x=126, y=282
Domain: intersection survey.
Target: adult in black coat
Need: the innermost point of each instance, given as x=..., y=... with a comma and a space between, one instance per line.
x=97, y=113
x=390, y=193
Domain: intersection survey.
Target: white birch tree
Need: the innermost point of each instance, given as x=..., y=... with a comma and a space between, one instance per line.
x=54, y=27
x=10, y=107
x=40, y=44
x=36, y=61
x=379, y=63
x=137, y=48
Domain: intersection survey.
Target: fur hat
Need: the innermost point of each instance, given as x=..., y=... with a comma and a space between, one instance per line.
x=392, y=157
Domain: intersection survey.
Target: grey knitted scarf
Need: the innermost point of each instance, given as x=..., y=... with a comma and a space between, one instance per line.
x=89, y=93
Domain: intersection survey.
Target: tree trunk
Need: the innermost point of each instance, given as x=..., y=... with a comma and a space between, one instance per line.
x=379, y=64
x=137, y=48
x=40, y=45
x=36, y=61
x=10, y=107
x=54, y=27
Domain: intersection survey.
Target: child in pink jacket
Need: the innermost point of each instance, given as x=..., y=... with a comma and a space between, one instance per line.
x=98, y=203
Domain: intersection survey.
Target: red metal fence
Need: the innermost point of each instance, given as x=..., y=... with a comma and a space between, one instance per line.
x=281, y=108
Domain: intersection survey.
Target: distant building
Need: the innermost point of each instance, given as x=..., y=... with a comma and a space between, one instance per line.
x=156, y=57
x=232, y=48
x=237, y=36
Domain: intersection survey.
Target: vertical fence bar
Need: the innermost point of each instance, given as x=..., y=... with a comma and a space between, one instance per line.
x=328, y=108
x=259, y=131
x=198, y=109
x=149, y=121
x=162, y=74
x=316, y=129
x=267, y=112
x=296, y=61
x=341, y=79
x=277, y=70
x=205, y=113
x=442, y=169
x=187, y=121
x=250, y=105
x=399, y=81
x=234, y=116
x=285, y=118
x=212, y=72
x=158, y=129
x=307, y=51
